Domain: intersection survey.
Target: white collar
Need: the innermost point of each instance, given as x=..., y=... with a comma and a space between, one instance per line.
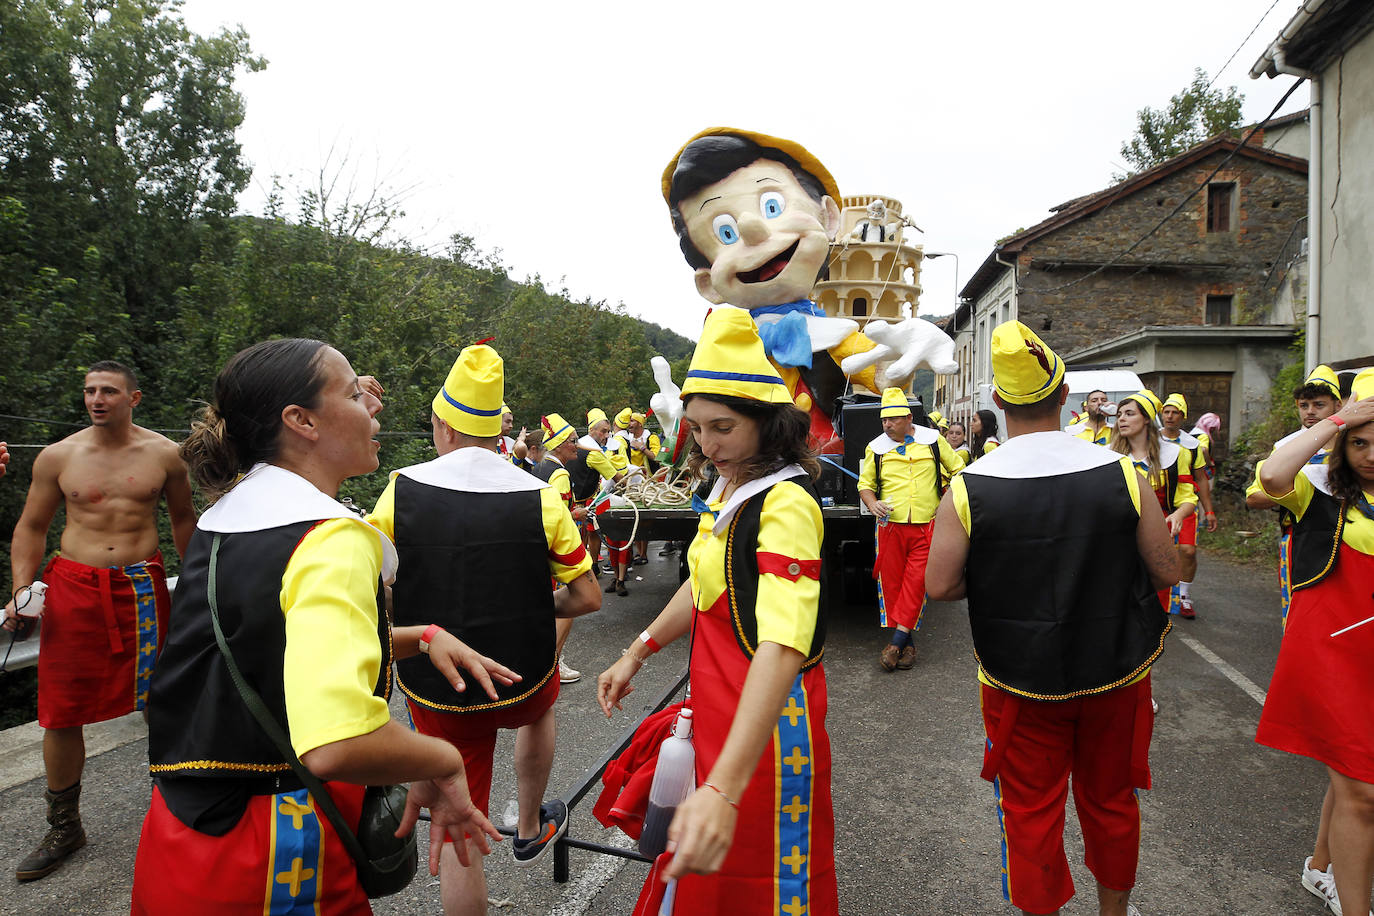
x=590, y=444
x=752, y=488
x=473, y=470
x=270, y=497
x=1042, y=454
x=922, y=435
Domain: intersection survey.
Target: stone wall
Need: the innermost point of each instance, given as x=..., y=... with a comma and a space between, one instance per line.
x=1166, y=280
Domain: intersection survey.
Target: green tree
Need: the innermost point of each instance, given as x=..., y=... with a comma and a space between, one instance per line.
x=1196, y=114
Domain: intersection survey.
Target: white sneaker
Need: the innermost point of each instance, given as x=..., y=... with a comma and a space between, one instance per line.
x=568, y=675
x=1321, y=885
x=1131, y=910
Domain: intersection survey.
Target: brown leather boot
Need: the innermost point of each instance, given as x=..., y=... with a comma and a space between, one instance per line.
x=65, y=837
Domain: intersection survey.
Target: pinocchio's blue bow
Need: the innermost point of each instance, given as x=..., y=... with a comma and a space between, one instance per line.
x=788, y=341
x=700, y=505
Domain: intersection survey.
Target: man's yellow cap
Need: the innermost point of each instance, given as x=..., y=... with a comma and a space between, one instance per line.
x=1363, y=386
x=1326, y=377
x=1176, y=400
x=637, y=418
x=729, y=360
x=471, y=399
x=808, y=162
x=938, y=419
x=1024, y=367
x=556, y=431
x=894, y=403
x=622, y=419
x=1148, y=402
x=595, y=416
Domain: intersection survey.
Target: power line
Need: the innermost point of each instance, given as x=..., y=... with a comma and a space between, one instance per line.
x=1115, y=259
x=1243, y=43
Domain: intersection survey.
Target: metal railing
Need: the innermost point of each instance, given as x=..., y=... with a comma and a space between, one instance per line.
x=584, y=784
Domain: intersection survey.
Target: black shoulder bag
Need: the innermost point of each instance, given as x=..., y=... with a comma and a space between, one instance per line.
x=385, y=864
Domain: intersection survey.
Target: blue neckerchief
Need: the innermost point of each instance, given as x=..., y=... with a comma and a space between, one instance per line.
x=701, y=507
x=901, y=449
x=1144, y=466
x=787, y=342
x=1319, y=458
x=1365, y=508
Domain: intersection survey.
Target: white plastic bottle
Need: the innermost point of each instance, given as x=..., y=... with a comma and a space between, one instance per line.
x=29, y=608
x=675, y=778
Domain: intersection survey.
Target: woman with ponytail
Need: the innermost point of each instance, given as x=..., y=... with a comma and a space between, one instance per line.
x=295, y=578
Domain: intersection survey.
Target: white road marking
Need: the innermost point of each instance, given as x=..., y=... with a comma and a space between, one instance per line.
x=1234, y=676
x=583, y=890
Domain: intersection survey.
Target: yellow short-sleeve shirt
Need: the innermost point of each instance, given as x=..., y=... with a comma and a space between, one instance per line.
x=1358, y=532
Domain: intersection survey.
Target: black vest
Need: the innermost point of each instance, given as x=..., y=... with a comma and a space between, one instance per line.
x=477, y=565
x=1060, y=603
x=742, y=576
x=585, y=478
x=198, y=724
x=544, y=469
x=1316, y=541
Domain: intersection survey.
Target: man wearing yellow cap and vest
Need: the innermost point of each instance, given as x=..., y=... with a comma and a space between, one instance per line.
x=560, y=449
x=901, y=479
x=1318, y=397
x=1171, y=417
x=597, y=462
x=460, y=523
x=1059, y=549
x=638, y=449
x=1093, y=426
x=755, y=216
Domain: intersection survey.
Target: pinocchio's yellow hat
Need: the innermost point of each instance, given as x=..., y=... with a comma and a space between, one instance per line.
x=938, y=419
x=1024, y=367
x=471, y=399
x=894, y=403
x=729, y=360
x=1363, y=386
x=1176, y=400
x=1326, y=377
x=595, y=416
x=1148, y=402
x=622, y=419
x=556, y=431
x=795, y=150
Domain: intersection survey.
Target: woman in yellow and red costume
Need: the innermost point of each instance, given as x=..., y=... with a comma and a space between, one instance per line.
x=1323, y=685
x=1166, y=466
x=297, y=579
x=757, y=836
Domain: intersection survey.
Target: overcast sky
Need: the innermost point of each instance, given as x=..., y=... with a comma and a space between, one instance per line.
x=542, y=128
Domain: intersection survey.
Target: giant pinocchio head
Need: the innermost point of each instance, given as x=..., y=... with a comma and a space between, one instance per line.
x=754, y=215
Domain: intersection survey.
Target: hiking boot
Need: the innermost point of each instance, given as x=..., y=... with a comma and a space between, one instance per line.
x=641, y=561
x=553, y=822
x=65, y=837
x=612, y=585
x=620, y=588
x=888, y=657
x=907, y=659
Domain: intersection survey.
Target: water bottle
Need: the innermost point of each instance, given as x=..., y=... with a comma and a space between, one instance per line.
x=28, y=605
x=675, y=778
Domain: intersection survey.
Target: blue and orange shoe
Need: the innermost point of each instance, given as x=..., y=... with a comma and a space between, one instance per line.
x=553, y=823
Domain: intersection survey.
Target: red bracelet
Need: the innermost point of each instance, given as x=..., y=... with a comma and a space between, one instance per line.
x=1337, y=420
x=430, y=632
x=728, y=800
x=650, y=642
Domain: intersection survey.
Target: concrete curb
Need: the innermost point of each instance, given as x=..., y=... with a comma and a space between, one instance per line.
x=21, y=747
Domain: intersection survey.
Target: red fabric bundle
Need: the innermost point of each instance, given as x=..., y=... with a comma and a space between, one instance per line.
x=626, y=780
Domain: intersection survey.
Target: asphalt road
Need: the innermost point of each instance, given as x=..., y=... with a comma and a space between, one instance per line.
x=1225, y=828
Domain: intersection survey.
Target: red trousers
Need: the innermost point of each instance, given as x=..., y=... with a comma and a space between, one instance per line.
x=1033, y=747
x=900, y=568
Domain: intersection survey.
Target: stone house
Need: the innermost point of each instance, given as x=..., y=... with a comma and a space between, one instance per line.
x=1184, y=305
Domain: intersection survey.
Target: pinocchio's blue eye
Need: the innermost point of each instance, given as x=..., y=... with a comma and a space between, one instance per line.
x=771, y=205
x=725, y=229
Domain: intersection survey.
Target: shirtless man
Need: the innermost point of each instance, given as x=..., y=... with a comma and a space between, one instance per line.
x=105, y=613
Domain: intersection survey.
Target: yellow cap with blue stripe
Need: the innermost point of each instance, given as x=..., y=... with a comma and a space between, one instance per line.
x=729, y=360
x=622, y=419
x=1176, y=400
x=938, y=419
x=1325, y=377
x=556, y=431
x=1363, y=386
x=894, y=403
x=471, y=400
x=1024, y=367
x=1147, y=400
x=595, y=416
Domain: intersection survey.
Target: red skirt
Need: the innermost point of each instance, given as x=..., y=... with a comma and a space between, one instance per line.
x=782, y=856
x=280, y=858
x=1323, y=685
x=102, y=631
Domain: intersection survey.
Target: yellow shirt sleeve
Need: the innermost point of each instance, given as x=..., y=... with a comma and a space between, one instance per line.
x=561, y=481
x=951, y=459
x=383, y=515
x=1295, y=500
x=868, y=478
x=602, y=464
x=1132, y=480
x=1256, y=488
x=959, y=494
x=568, y=559
x=333, y=658
x=1185, y=492
x=989, y=445
x=790, y=528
